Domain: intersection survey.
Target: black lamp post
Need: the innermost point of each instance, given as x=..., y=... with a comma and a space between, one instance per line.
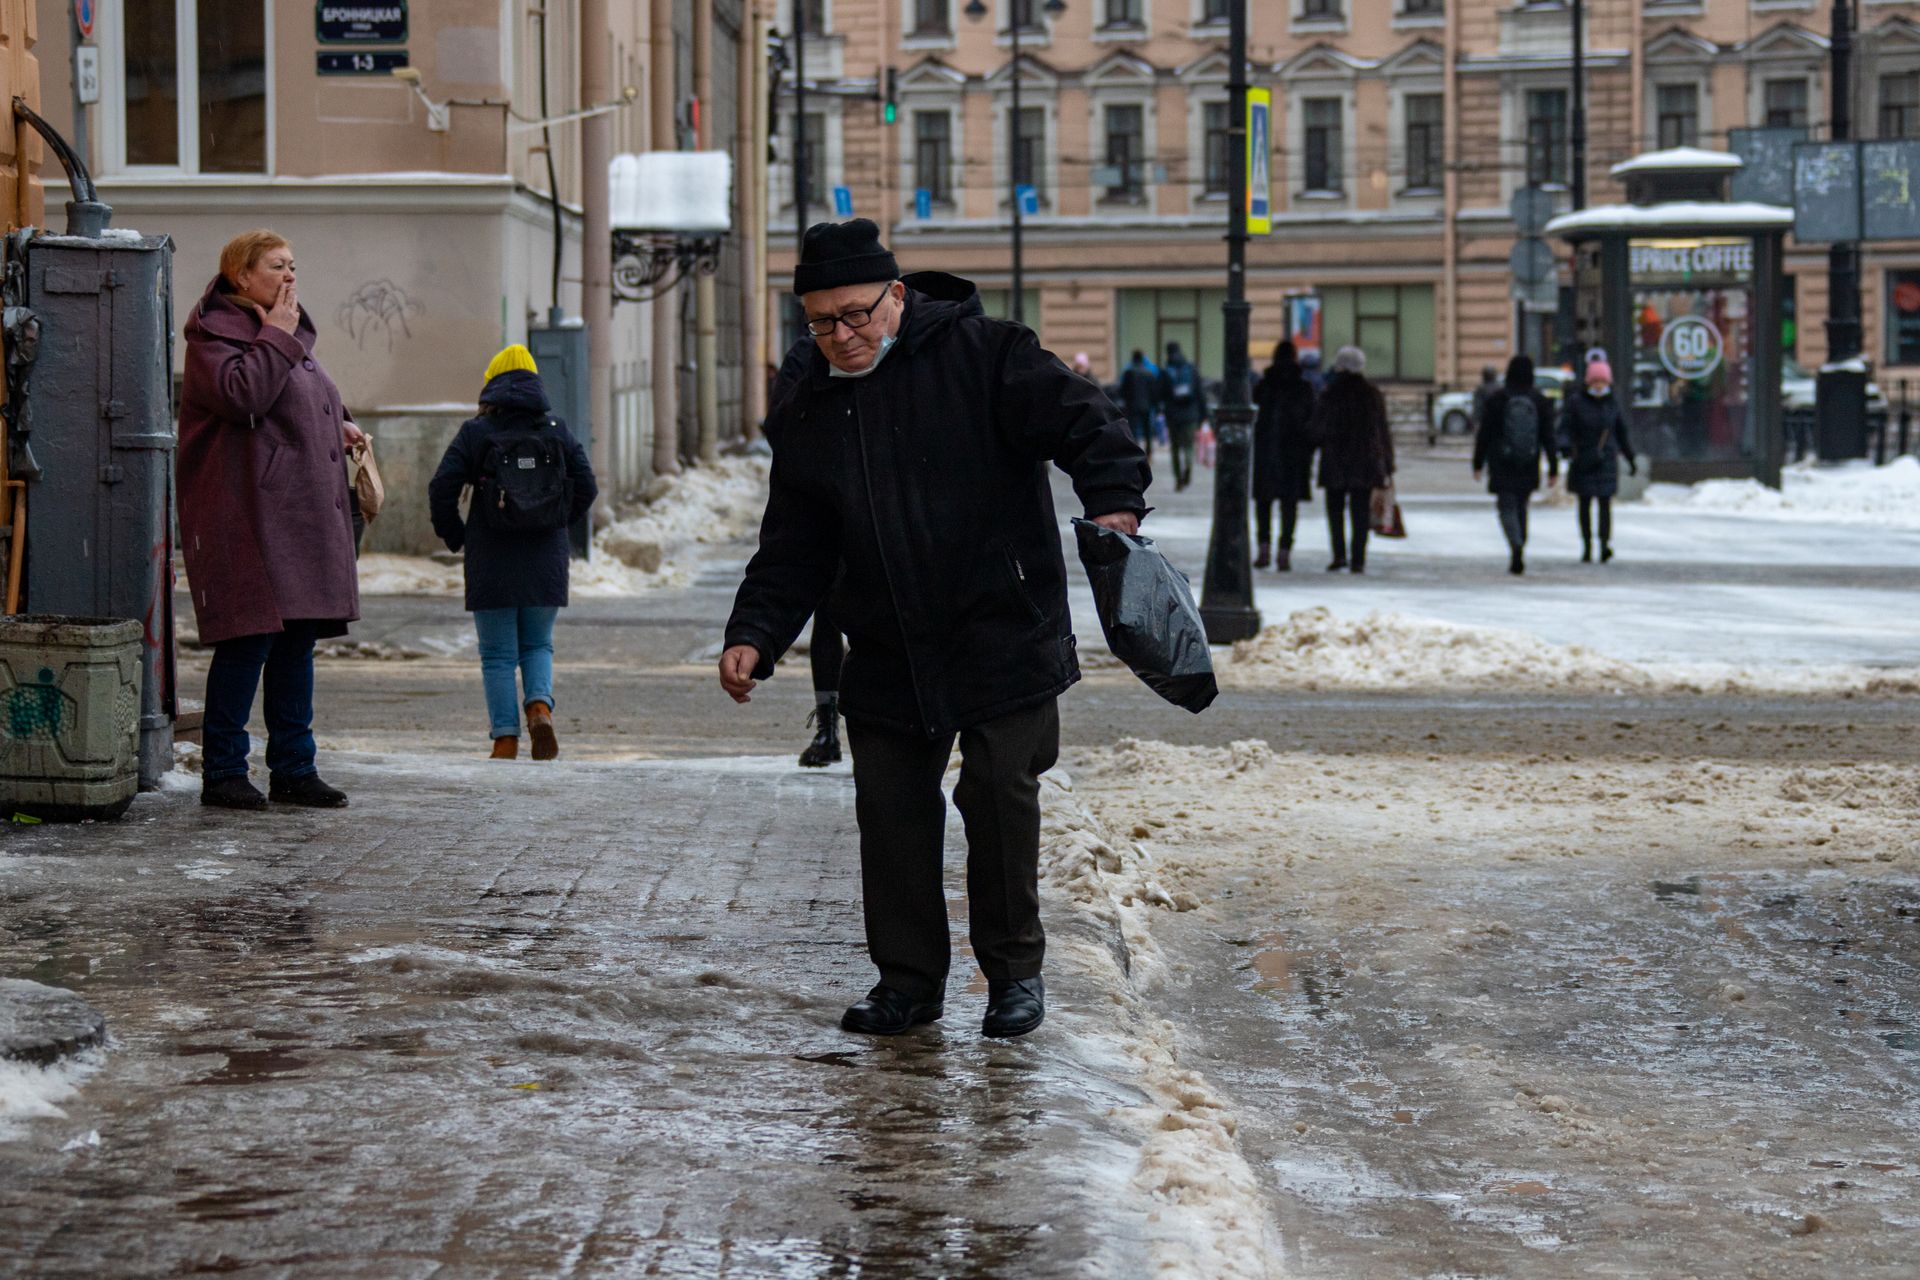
x=975, y=11
x=1226, y=597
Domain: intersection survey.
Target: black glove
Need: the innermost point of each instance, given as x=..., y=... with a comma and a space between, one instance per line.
x=1633, y=468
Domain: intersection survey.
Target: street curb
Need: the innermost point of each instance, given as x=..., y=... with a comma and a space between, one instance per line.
x=40, y=1025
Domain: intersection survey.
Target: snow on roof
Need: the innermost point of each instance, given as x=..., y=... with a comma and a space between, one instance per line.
x=1708, y=215
x=1679, y=158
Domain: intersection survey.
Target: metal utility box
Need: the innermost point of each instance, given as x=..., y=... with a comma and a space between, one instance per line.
x=560, y=349
x=99, y=415
x=69, y=716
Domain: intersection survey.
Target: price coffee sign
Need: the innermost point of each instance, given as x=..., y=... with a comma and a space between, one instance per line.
x=345, y=23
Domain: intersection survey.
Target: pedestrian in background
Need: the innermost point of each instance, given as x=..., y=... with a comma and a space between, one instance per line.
x=1356, y=455
x=1489, y=383
x=1593, y=435
x=1183, y=398
x=1310, y=369
x=531, y=481
x=1140, y=398
x=265, y=519
x=910, y=465
x=1512, y=439
x=1282, y=454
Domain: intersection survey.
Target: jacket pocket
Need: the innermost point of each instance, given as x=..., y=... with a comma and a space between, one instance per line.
x=1017, y=580
x=276, y=465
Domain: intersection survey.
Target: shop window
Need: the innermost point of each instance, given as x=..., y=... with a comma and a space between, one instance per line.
x=1903, y=317
x=1322, y=117
x=1546, y=137
x=1426, y=154
x=1392, y=323
x=1149, y=319
x=1677, y=115
x=207, y=114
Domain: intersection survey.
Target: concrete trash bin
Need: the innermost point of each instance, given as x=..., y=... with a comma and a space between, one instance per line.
x=69, y=716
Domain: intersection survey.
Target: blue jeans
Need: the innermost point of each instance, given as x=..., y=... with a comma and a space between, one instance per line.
x=233, y=677
x=513, y=639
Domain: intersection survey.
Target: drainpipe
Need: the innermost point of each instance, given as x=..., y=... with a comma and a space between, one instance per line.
x=706, y=290
x=1450, y=197
x=596, y=246
x=666, y=308
x=750, y=151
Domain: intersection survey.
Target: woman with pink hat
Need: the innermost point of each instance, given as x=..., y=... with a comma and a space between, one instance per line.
x=1593, y=436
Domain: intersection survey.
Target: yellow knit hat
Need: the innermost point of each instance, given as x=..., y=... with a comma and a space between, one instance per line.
x=510, y=358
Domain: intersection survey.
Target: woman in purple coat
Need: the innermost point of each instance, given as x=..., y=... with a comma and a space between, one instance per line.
x=265, y=519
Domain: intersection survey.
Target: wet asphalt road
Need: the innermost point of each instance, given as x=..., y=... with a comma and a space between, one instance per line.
x=431, y=1044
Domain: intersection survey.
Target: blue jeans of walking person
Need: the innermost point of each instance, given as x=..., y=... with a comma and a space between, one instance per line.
x=514, y=640
x=234, y=676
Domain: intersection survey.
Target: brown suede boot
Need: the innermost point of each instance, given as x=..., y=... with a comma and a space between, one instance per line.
x=507, y=748
x=540, y=726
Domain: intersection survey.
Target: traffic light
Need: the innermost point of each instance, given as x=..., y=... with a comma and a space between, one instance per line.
x=890, y=100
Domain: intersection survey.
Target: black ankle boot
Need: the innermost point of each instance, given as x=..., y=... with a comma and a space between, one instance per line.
x=232, y=793
x=1606, y=552
x=1586, y=552
x=825, y=747
x=1264, y=557
x=307, y=790
x=1518, y=563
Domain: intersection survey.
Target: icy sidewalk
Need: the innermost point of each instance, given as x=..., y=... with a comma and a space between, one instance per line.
x=514, y=1020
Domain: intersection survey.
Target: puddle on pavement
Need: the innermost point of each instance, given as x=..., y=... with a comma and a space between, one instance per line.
x=1282, y=970
x=245, y=1066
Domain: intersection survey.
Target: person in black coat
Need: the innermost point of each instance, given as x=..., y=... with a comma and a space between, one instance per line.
x=1509, y=446
x=516, y=579
x=1356, y=454
x=1282, y=454
x=1593, y=436
x=909, y=487
x=1140, y=397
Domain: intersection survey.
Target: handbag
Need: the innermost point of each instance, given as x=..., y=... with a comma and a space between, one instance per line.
x=1385, y=513
x=368, y=491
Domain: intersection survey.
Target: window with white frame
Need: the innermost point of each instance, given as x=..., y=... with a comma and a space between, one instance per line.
x=813, y=156
x=193, y=85
x=818, y=15
x=1900, y=105
x=1321, y=10
x=1214, y=12
x=1126, y=151
x=1425, y=141
x=1546, y=137
x=933, y=154
x=1215, y=139
x=1422, y=8
x=1783, y=103
x=1030, y=150
x=932, y=18
x=1123, y=13
x=1676, y=115
x=1323, y=136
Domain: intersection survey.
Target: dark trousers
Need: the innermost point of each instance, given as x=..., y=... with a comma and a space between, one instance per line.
x=1180, y=443
x=903, y=822
x=1142, y=427
x=1513, y=518
x=286, y=657
x=1342, y=505
x=1289, y=520
x=826, y=651
x=1586, y=519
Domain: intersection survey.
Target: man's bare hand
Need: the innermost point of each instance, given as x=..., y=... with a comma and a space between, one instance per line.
x=736, y=672
x=1119, y=522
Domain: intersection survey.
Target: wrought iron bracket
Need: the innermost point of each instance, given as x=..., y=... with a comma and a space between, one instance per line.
x=647, y=265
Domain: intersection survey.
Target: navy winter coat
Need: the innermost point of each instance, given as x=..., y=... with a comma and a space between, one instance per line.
x=506, y=568
x=1593, y=436
x=917, y=498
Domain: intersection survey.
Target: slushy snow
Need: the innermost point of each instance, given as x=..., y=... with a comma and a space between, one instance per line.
x=1855, y=493
x=1389, y=652
x=649, y=550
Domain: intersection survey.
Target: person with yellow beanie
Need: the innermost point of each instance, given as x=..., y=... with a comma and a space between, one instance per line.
x=531, y=481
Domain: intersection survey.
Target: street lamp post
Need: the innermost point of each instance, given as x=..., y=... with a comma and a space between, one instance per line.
x=977, y=10
x=1226, y=598
x=1840, y=393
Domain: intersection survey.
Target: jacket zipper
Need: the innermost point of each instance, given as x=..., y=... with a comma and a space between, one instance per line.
x=886, y=570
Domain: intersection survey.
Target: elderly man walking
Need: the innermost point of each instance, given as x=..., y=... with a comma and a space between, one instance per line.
x=911, y=437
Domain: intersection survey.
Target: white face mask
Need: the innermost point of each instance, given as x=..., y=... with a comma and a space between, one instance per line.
x=1600, y=391
x=886, y=345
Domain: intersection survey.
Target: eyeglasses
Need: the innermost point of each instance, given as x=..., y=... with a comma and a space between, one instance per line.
x=857, y=319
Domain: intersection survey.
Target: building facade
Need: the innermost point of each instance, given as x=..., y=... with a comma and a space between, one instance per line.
x=1401, y=131
x=422, y=214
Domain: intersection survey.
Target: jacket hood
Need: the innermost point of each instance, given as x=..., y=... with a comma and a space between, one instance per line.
x=220, y=314
x=935, y=301
x=516, y=389
x=1520, y=373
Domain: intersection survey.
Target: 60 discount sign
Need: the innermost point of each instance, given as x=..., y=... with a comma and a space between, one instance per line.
x=1691, y=348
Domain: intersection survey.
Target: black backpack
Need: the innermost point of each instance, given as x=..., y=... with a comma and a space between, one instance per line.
x=523, y=484
x=1520, y=433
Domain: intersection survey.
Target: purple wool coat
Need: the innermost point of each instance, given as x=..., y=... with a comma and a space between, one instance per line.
x=266, y=521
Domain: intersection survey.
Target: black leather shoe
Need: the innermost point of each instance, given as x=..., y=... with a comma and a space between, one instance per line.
x=232, y=793
x=306, y=790
x=886, y=1012
x=1015, y=1006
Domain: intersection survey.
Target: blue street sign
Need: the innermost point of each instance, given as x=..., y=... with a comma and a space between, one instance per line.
x=922, y=203
x=1028, y=196
x=843, y=202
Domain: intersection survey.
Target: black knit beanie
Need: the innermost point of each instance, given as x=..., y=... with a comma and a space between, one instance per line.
x=833, y=254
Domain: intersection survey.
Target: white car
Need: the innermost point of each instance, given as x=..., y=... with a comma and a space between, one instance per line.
x=1453, y=410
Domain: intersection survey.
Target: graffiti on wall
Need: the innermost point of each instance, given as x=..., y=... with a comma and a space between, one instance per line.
x=379, y=309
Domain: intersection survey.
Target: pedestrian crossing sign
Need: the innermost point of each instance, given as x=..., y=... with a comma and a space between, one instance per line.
x=1259, y=162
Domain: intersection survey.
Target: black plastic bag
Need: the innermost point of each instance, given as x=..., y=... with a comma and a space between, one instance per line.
x=1147, y=610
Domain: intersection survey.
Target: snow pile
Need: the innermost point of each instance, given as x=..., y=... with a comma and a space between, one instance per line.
x=704, y=506
x=1389, y=652
x=1855, y=493
x=1209, y=1216
x=29, y=1092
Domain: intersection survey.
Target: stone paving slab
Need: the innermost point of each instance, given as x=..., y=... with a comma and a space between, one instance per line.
x=504, y=1020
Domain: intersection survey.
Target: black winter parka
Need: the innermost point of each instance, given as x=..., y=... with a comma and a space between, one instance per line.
x=1507, y=474
x=917, y=499
x=1283, y=436
x=1593, y=436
